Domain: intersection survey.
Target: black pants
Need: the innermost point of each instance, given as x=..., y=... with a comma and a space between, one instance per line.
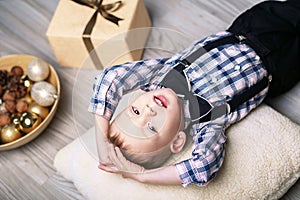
x=272, y=29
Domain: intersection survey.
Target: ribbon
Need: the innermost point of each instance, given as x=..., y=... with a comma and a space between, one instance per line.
x=102, y=9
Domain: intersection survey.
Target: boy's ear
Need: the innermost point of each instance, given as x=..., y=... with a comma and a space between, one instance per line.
x=178, y=142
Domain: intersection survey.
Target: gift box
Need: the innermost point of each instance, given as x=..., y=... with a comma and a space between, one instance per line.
x=96, y=34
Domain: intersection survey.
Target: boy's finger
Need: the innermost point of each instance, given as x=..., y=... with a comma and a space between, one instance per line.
x=120, y=155
x=110, y=169
x=113, y=157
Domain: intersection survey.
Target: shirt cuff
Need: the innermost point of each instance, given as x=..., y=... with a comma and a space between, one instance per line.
x=99, y=109
x=181, y=170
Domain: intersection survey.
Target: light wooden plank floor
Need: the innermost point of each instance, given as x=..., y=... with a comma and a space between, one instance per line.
x=27, y=172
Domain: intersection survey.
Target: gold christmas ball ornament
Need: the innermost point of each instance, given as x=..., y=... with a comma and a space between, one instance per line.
x=39, y=110
x=28, y=122
x=38, y=70
x=43, y=93
x=27, y=98
x=10, y=133
x=26, y=82
x=15, y=119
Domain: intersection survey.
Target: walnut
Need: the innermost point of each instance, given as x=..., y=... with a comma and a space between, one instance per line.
x=8, y=96
x=17, y=71
x=21, y=106
x=10, y=106
x=5, y=119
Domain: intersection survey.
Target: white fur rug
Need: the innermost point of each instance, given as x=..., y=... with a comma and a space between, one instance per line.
x=262, y=162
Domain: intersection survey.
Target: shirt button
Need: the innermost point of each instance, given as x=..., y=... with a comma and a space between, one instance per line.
x=237, y=67
x=257, y=58
x=213, y=79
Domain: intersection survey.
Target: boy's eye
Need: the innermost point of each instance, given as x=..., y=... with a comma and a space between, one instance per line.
x=151, y=127
x=135, y=110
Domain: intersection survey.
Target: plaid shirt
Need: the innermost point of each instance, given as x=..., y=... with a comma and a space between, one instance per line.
x=216, y=76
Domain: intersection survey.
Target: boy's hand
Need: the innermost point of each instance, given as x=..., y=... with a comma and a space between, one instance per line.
x=165, y=175
x=121, y=163
x=122, y=166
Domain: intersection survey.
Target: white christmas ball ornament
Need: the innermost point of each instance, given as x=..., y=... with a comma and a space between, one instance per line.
x=43, y=93
x=38, y=70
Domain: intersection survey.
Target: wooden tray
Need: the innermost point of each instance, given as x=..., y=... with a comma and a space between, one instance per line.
x=7, y=62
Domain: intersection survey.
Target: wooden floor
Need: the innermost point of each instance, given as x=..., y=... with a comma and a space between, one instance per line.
x=27, y=172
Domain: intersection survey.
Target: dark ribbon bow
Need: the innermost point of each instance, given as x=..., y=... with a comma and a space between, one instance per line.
x=102, y=9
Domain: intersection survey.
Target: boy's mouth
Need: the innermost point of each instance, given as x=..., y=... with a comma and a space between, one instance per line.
x=160, y=101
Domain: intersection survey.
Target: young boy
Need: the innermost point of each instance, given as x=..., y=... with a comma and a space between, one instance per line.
x=150, y=129
x=219, y=80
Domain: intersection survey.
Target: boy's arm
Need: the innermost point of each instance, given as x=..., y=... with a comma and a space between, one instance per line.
x=207, y=156
x=207, y=159
x=118, y=80
x=164, y=175
x=101, y=131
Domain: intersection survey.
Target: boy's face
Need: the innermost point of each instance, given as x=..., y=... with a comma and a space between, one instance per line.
x=151, y=121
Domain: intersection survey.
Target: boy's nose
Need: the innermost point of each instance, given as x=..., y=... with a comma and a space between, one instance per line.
x=149, y=111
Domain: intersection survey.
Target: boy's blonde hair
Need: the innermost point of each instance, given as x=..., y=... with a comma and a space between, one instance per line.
x=148, y=160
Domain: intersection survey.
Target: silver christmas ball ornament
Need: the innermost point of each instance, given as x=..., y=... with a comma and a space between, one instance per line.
x=43, y=93
x=38, y=70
